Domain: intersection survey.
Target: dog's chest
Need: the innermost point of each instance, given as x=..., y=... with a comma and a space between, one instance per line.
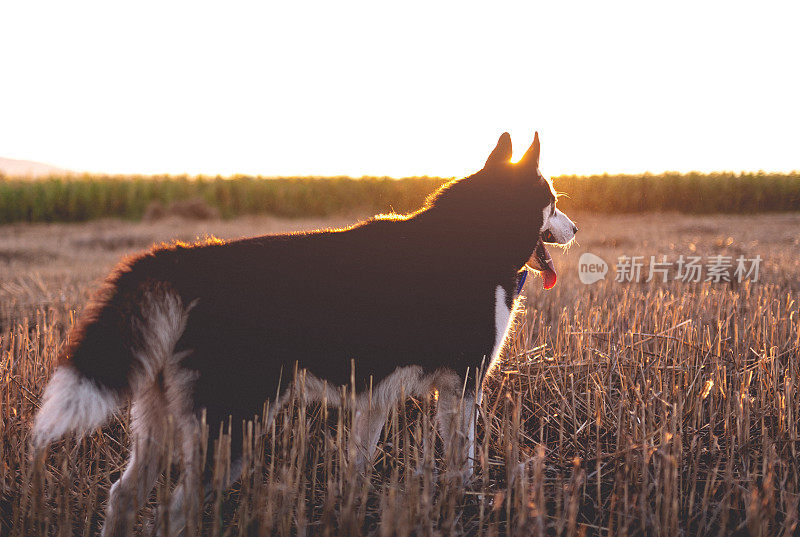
x=503, y=318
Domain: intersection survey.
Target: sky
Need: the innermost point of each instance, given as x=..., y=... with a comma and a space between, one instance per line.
x=400, y=88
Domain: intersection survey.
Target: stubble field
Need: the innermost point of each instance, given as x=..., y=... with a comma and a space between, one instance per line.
x=621, y=408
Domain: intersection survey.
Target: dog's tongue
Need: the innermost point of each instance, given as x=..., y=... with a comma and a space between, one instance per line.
x=549, y=275
x=544, y=264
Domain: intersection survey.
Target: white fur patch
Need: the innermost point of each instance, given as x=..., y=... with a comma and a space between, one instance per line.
x=71, y=403
x=372, y=409
x=545, y=216
x=502, y=320
x=503, y=325
x=165, y=320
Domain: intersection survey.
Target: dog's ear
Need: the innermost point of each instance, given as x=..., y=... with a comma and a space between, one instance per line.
x=531, y=158
x=501, y=153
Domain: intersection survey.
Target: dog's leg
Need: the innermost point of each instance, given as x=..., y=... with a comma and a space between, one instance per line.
x=455, y=416
x=131, y=490
x=144, y=465
x=471, y=415
x=187, y=498
x=182, y=516
x=372, y=409
x=368, y=423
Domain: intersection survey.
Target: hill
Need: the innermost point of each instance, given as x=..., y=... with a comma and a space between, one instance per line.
x=28, y=168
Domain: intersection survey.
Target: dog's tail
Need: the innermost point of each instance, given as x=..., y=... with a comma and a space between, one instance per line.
x=118, y=344
x=91, y=379
x=72, y=402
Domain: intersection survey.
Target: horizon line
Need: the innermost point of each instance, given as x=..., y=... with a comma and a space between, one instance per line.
x=187, y=175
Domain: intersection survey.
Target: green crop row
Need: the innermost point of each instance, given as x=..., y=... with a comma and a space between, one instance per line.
x=75, y=199
x=693, y=193
x=80, y=198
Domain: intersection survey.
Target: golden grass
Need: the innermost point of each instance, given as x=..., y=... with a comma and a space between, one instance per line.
x=621, y=409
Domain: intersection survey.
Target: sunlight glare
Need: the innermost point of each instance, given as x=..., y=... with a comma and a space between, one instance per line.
x=370, y=89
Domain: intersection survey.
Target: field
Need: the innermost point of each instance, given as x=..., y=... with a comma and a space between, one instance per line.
x=622, y=408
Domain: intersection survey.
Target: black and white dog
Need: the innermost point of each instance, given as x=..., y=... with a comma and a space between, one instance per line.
x=413, y=301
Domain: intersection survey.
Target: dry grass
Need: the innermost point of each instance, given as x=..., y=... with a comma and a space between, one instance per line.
x=621, y=409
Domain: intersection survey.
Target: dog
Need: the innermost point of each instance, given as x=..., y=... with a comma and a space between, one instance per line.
x=414, y=303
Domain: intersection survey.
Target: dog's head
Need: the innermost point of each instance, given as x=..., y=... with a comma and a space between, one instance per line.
x=532, y=198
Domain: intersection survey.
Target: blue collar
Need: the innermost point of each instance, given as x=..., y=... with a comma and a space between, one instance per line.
x=521, y=282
